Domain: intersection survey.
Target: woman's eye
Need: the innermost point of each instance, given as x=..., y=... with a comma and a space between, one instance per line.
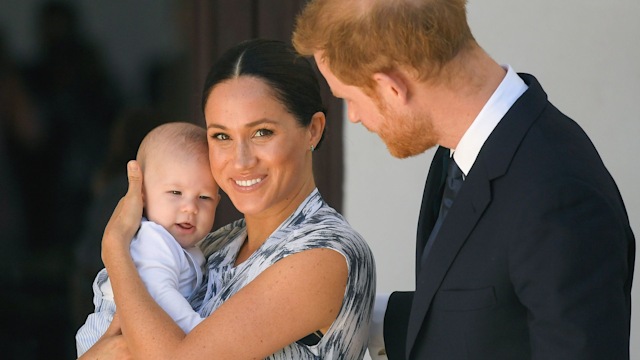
x=263, y=132
x=220, y=136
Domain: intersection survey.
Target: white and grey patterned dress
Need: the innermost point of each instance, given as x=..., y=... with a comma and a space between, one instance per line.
x=313, y=225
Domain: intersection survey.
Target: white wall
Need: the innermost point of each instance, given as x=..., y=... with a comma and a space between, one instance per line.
x=585, y=53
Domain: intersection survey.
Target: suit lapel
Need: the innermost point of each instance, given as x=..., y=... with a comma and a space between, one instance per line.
x=428, y=213
x=471, y=202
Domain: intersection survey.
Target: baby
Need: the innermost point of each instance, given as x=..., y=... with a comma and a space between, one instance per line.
x=180, y=199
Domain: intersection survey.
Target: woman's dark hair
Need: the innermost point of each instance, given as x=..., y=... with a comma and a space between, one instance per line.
x=290, y=75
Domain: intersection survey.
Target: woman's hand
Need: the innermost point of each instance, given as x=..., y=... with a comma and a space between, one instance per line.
x=125, y=220
x=111, y=345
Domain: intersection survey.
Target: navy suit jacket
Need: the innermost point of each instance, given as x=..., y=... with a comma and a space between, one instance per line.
x=535, y=258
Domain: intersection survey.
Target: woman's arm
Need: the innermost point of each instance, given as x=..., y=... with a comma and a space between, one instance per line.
x=294, y=297
x=111, y=346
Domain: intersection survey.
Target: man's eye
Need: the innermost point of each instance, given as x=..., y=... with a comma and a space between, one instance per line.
x=263, y=132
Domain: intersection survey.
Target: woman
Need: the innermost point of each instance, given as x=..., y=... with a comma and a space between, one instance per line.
x=292, y=280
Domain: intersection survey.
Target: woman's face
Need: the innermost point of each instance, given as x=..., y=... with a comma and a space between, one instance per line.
x=259, y=153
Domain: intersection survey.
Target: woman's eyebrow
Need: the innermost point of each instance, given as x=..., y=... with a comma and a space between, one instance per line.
x=248, y=125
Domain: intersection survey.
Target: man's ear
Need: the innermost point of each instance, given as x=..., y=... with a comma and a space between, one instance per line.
x=393, y=87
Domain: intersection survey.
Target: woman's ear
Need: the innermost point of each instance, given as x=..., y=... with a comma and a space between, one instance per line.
x=393, y=87
x=316, y=128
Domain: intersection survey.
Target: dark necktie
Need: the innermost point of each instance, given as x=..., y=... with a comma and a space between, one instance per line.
x=453, y=183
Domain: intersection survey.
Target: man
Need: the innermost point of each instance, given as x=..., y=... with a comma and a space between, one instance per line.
x=524, y=249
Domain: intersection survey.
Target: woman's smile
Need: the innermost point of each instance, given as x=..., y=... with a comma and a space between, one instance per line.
x=248, y=183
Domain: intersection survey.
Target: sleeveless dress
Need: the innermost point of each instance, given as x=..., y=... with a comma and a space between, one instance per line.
x=313, y=225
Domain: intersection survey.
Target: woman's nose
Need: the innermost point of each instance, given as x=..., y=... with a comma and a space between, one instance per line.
x=245, y=158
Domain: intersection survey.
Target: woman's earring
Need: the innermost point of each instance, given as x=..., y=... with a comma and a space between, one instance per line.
x=312, y=148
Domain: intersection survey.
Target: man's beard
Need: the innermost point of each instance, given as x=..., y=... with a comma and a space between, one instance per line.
x=406, y=136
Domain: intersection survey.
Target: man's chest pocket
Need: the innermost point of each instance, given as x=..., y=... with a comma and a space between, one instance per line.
x=464, y=300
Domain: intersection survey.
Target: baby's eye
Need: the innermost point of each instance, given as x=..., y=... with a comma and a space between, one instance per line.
x=263, y=132
x=175, y=192
x=205, y=197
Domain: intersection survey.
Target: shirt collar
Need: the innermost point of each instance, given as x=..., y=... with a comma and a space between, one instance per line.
x=509, y=90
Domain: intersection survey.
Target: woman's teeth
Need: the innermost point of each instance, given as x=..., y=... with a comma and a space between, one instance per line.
x=248, y=182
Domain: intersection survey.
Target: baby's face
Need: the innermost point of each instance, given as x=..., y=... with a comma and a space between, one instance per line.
x=181, y=195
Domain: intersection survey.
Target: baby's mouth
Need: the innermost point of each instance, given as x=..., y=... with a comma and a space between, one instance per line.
x=185, y=226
